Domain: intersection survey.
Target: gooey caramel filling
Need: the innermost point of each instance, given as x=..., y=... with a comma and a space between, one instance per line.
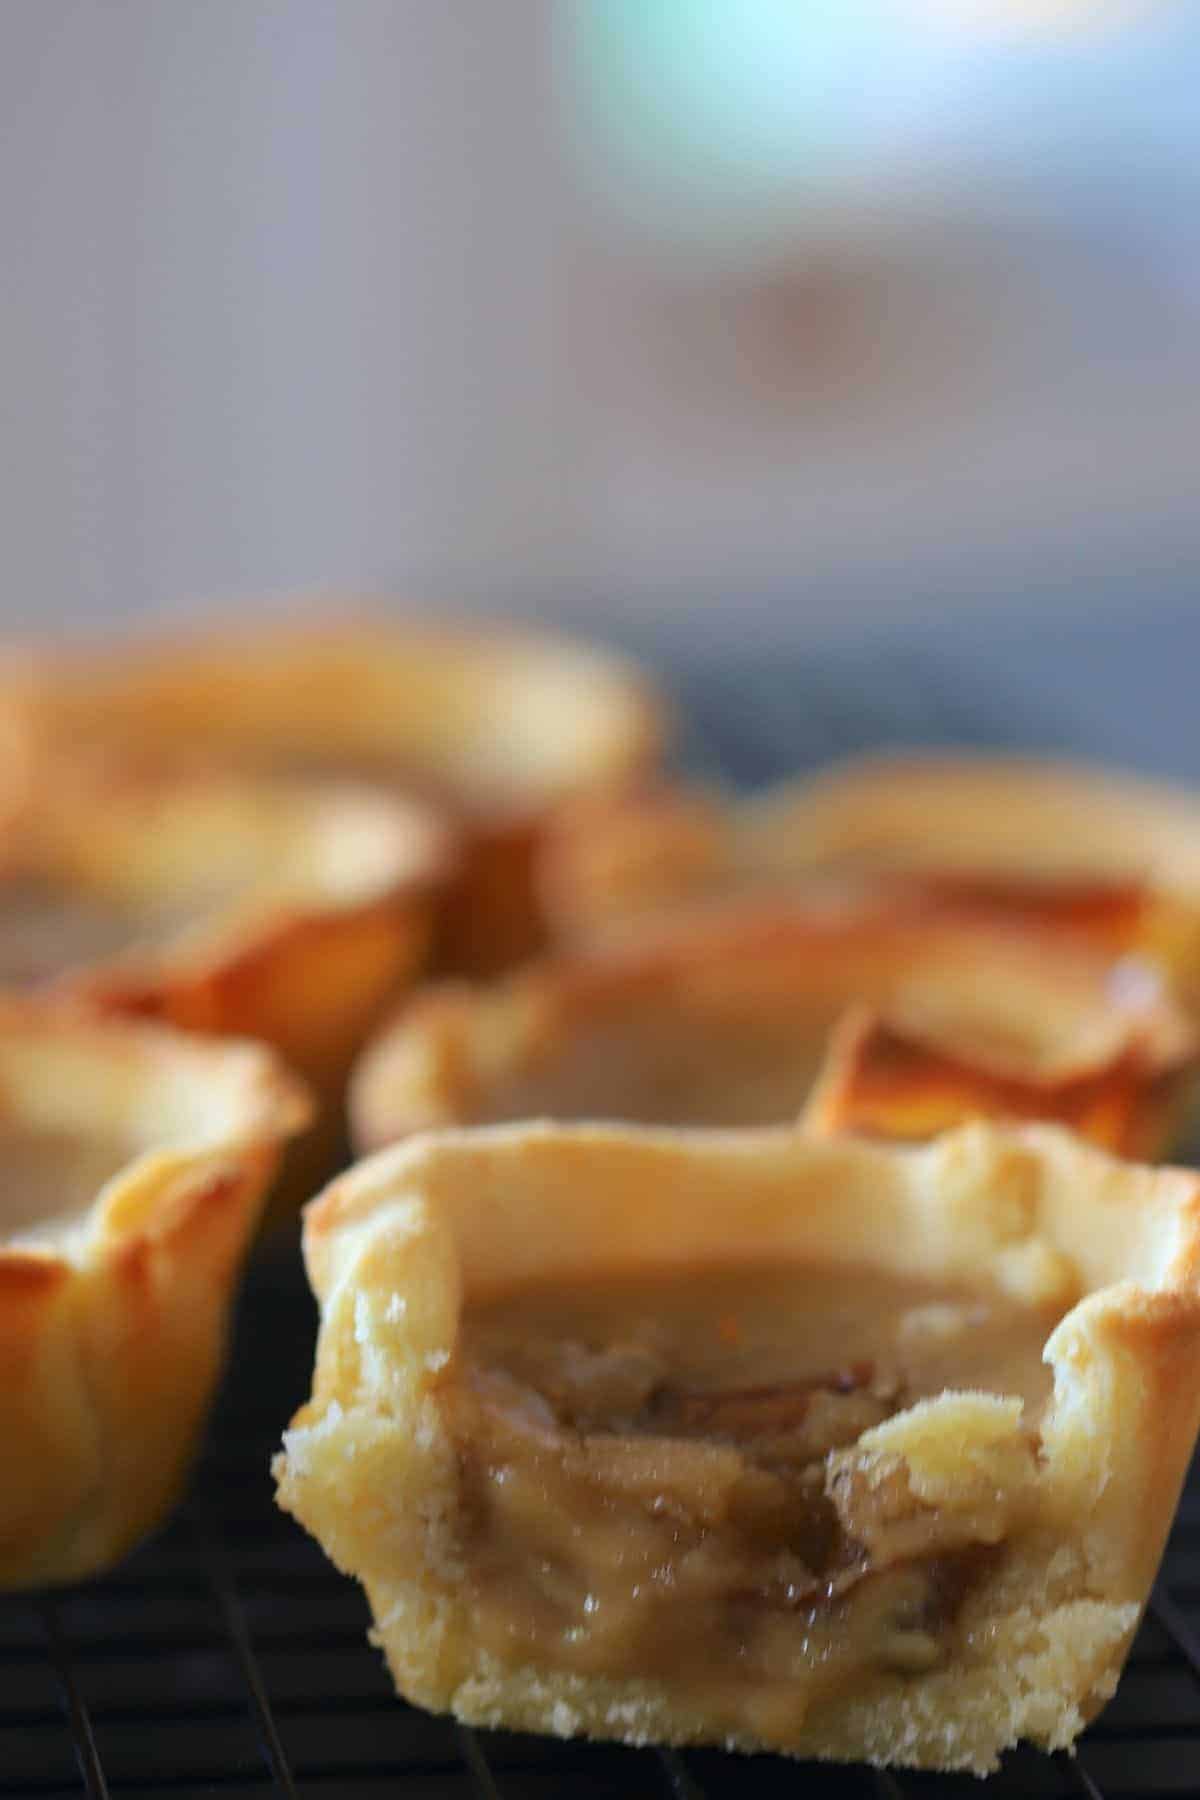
x=690, y=1478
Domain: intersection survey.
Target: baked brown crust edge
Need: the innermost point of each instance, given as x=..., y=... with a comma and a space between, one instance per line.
x=307, y=975
x=883, y=1080
x=111, y=1344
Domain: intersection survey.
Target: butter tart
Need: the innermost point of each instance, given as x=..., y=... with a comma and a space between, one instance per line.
x=722, y=1018
x=825, y=1447
x=136, y=1160
x=1080, y=851
x=282, y=909
x=499, y=726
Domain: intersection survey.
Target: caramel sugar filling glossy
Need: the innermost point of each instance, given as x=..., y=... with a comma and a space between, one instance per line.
x=665, y=1478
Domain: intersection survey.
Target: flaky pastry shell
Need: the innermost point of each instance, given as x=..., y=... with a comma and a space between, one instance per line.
x=500, y=726
x=398, y=1247
x=882, y=1077
x=136, y=1163
x=285, y=910
x=722, y=1018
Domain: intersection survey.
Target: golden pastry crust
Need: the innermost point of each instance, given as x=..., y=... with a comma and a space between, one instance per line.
x=882, y=1078
x=285, y=910
x=1020, y=817
x=400, y=1245
x=1110, y=858
x=113, y=1302
x=499, y=725
x=722, y=1018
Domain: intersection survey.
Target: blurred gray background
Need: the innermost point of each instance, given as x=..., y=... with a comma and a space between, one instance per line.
x=344, y=293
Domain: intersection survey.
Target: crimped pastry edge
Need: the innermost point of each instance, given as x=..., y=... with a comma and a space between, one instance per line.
x=112, y=1334
x=306, y=969
x=393, y=1247
x=998, y=811
x=883, y=1078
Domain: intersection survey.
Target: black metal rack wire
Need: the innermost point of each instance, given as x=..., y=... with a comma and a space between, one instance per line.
x=228, y=1658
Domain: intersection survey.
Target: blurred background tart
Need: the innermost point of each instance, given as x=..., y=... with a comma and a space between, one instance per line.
x=498, y=727
x=722, y=1017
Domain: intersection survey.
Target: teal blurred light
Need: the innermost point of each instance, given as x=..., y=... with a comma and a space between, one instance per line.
x=710, y=89
x=741, y=131
x=704, y=117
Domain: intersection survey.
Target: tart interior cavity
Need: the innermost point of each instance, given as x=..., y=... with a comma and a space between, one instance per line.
x=732, y=1063
x=678, y=1475
x=742, y=1046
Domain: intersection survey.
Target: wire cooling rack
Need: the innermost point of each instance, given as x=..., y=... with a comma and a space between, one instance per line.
x=228, y=1658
